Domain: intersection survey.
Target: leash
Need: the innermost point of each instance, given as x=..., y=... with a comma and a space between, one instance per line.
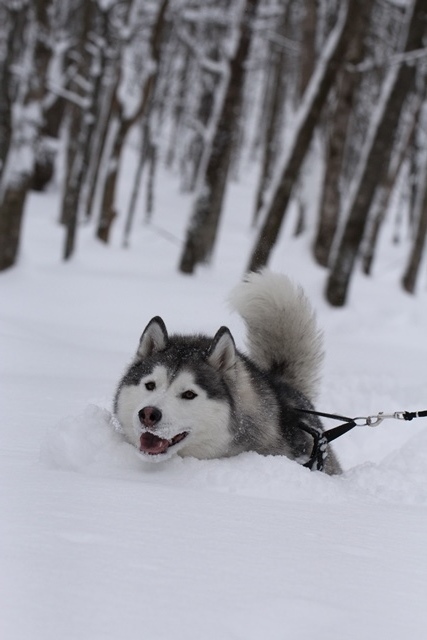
x=321, y=439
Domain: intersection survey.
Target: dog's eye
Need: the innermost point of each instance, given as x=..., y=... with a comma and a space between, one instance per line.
x=188, y=395
x=150, y=386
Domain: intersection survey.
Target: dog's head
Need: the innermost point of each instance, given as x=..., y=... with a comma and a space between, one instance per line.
x=174, y=397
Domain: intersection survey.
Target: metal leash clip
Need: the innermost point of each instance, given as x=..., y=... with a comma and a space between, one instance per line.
x=375, y=420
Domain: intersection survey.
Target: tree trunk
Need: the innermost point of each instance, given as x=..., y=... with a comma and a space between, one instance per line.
x=307, y=120
x=11, y=212
x=203, y=226
x=182, y=78
x=385, y=190
x=16, y=177
x=100, y=139
x=347, y=85
x=142, y=158
x=375, y=159
x=108, y=211
x=409, y=279
x=69, y=206
x=308, y=44
x=44, y=165
x=80, y=130
x=149, y=201
x=419, y=212
x=14, y=15
x=272, y=114
x=307, y=58
x=103, y=74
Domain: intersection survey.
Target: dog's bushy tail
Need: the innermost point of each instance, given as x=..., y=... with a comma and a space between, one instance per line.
x=282, y=333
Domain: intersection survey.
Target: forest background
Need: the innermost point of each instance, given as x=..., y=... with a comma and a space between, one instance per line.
x=302, y=93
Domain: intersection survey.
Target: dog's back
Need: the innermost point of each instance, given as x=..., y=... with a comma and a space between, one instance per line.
x=285, y=343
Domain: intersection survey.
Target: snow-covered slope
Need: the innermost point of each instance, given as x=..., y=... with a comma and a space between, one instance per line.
x=97, y=545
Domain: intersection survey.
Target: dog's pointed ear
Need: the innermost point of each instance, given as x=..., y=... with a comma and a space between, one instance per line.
x=222, y=352
x=154, y=338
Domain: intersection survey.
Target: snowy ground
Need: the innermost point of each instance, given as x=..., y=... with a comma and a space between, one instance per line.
x=95, y=544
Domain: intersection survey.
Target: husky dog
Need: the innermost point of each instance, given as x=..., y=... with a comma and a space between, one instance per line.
x=195, y=395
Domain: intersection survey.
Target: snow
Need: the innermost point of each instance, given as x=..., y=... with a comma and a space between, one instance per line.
x=97, y=544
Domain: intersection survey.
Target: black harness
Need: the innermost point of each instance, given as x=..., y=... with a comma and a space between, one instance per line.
x=321, y=439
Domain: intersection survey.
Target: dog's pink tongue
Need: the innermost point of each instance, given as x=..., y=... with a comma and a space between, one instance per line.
x=149, y=443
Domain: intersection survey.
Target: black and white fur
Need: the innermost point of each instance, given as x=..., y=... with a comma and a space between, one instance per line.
x=199, y=396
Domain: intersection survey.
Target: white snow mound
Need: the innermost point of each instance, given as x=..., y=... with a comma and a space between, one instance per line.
x=91, y=443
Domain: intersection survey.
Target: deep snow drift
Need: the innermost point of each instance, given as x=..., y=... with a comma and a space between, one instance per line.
x=96, y=544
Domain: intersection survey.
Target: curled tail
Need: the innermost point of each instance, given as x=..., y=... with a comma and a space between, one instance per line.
x=282, y=333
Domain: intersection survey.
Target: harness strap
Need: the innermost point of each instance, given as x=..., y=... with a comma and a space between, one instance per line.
x=316, y=461
x=336, y=432
x=321, y=438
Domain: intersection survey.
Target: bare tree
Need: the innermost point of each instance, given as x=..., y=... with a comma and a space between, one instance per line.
x=307, y=119
x=144, y=153
x=26, y=123
x=348, y=81
x=308, y=25
x=272, y=109
x=375, y=159
x=410, y=276
x=203, y=226
x=384, y=191
x=80, y=123
x=13, y=17
x=125, y=120
x=203, y=35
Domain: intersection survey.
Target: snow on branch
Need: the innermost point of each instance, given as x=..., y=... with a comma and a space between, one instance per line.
x=396, y=59
x=208, y=64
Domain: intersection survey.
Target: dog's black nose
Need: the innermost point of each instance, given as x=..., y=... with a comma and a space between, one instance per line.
x=149, y=416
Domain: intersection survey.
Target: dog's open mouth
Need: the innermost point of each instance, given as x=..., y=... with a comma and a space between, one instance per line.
x=152, y=444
